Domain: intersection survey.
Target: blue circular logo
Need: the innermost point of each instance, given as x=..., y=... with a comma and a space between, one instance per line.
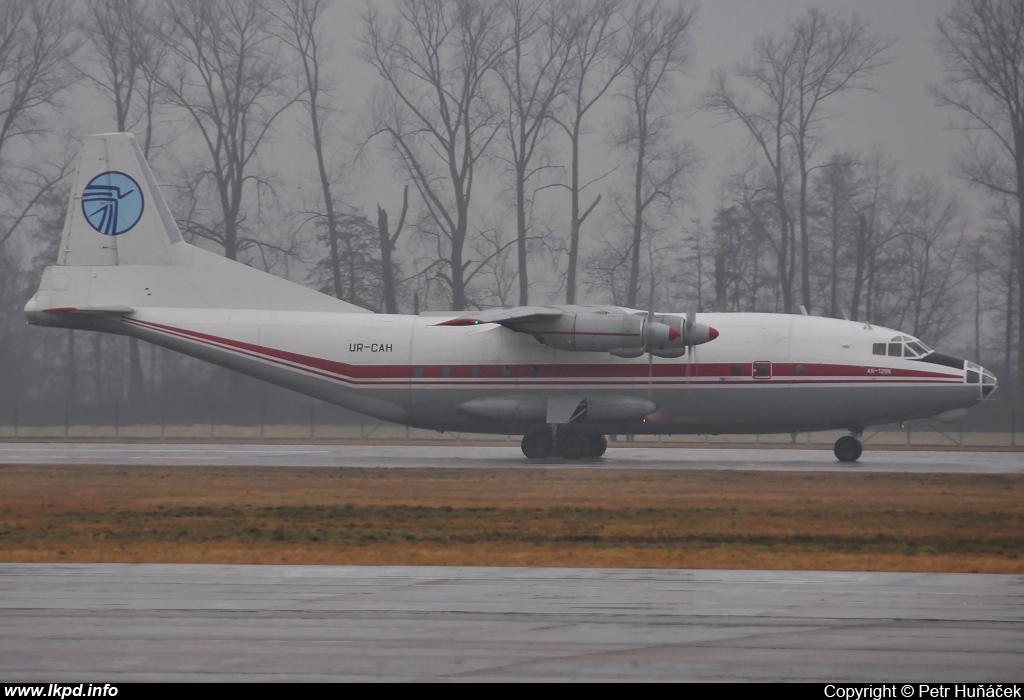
x=112, y=203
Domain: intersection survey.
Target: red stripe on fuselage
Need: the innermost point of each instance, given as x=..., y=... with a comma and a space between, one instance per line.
x=719, y=373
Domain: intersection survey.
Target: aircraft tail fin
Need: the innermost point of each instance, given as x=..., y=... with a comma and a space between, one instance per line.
x=121, y=248
x=116, y=214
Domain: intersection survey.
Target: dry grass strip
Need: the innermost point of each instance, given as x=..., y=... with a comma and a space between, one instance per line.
x=514, y=517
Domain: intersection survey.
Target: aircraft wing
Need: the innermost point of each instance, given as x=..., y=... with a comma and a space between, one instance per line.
x=622, y=332
x=507, y=317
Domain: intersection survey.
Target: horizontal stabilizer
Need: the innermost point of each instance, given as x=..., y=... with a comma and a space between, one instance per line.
x=99, y=310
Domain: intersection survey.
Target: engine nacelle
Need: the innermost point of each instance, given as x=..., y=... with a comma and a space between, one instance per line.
x=600, y=332
x=669, y=352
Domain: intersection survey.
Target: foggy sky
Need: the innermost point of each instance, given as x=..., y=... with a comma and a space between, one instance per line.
x=900, y=116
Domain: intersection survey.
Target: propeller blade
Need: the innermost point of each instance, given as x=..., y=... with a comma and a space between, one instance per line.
x=650, y=340
x=689, y=355
x=691, y=347
x=650, y=351
x=650, y=374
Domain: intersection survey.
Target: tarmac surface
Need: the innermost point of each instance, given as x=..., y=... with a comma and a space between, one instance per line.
x=154, y=622
x=111, y=623
x=470, y=456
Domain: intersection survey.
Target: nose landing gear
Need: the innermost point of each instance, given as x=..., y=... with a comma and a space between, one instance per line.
x=848, y=447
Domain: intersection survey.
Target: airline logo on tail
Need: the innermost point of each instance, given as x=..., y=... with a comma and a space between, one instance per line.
x=112, y=203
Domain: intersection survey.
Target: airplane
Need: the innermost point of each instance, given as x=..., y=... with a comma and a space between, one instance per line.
x=564, y=377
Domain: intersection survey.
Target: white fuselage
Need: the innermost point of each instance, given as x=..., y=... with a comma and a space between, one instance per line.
x=764, y=373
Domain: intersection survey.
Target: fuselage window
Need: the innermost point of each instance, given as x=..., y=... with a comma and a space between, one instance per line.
x=505, y=371
x=475, y=370
x=878, y=348
x=895, y=349
x=762, y=369
x=417, y=371
x=446, y=371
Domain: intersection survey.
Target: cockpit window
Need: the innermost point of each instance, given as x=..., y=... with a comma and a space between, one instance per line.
x=901, y=346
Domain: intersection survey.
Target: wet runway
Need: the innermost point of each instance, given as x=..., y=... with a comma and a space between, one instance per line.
x=127, y=622
x=467, y=456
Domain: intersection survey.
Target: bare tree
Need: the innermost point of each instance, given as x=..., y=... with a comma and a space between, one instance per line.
x=126, y=65
x=931, y=265
x=833, y=55
x=533, y=75
x=793, y=76
x=434, y=57
x=690, y=275
x=835, y=213
x=37, y=41
x=746, y=277
x=880, y=215
x=359, y=279
x=117, y=31
x=1002, y=272
x=771, y=65
x=660, y=161
x=388, y=243
x=736, y=262
x=227, y=74
x=300, y=30
x=982, y=47
x=36, y=44
x=600, y=52
x=497, y=279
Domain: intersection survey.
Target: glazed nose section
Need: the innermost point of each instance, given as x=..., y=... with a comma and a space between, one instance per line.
x=989, y=383
x=978, y=375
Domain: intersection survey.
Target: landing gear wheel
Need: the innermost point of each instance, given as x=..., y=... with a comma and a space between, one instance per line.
x=536, y=445
x=596, y=445
x=848, y=449
x=572, y=445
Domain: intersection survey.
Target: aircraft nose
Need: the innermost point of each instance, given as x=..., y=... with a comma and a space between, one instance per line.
x=976, y=375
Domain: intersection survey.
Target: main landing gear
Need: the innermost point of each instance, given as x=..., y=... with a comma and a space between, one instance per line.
x=848, y=447
x=566, y=442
